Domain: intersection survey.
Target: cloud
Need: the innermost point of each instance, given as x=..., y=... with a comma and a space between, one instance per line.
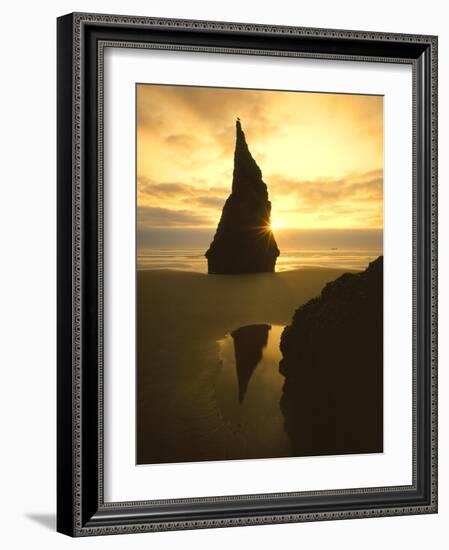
x=153, y=216
x=321, y=194
x=320, y=154
x=211, y=202
x=203, y=194
x=182, y=141
x=148, y=188
x=353, y=201
x=356, y=200
x=186, y=117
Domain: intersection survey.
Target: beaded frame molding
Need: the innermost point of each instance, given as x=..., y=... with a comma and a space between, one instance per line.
x=81, y=509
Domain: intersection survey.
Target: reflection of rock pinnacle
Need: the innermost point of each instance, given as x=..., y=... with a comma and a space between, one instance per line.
x=249, y=342
x=244, y=242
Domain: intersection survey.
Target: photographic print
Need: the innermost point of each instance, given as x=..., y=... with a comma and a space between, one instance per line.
x=232, y=347
x=259, y=273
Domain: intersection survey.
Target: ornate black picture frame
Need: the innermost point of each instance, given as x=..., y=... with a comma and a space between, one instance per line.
x=81, y=509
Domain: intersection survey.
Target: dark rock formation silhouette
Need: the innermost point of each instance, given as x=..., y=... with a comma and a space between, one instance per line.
x=249, y=342
x=332, y=361
x=244, y=242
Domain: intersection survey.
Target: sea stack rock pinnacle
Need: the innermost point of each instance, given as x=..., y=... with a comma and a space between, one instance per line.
x=244, y=242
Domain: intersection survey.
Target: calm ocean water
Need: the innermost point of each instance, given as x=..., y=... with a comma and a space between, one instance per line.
x=193, y=259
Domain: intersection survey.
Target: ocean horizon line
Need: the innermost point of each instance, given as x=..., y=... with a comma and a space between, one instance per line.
x=193, y=258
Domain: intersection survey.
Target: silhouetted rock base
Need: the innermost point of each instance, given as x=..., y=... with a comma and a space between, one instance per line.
x=333, y=367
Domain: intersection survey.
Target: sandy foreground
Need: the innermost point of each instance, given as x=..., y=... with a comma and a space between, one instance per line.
x=181, y=317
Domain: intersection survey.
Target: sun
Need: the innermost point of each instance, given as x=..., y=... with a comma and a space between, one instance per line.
x=277, y=224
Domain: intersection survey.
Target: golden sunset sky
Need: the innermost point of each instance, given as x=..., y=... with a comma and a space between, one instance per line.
x=321, y=155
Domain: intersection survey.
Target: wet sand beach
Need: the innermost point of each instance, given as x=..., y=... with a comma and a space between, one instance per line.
x=190, y=406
